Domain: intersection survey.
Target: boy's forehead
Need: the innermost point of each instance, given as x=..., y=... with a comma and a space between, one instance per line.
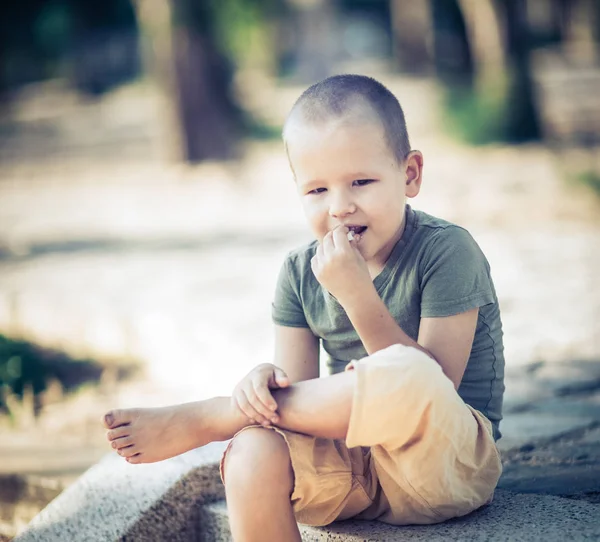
x=301, y=132
x=336, y=149
x=305, y=119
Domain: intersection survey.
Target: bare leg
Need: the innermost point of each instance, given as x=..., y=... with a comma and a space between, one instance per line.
x=319, y=407
x=258, y=462
x=146, y=435
x=259, y=483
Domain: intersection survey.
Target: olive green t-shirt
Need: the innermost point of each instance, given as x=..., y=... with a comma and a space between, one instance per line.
x=436, y=269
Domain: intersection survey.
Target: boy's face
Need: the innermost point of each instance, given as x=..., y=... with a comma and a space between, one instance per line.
x=346, y=175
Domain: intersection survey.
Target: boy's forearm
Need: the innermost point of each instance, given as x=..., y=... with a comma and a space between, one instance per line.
x=375, y=325
x=319, y=407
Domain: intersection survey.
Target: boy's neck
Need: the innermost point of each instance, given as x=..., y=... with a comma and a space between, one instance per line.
x=377, y=265
x=375, y=269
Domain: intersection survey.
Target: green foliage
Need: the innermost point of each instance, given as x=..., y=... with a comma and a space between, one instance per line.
x=238, y=27
x=257, y=129
x=499, y=110
x=241, y=28
x=52, y=28
x=473, y=117
x=20, y=367
x=23, y=365
x=36, y=35
x=591, y=179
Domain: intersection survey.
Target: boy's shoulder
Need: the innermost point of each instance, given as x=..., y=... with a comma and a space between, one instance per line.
x=439, y=240
x=302, y=254
x=425, y=220
x=431, y=228
x=297, y=261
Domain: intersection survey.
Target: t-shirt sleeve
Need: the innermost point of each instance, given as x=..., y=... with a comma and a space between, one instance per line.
x=287, y=307
x=455, y=276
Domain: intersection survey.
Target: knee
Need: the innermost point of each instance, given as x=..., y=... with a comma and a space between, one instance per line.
x=258, y=456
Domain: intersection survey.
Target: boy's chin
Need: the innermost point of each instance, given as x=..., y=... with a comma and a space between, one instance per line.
x=363, y=248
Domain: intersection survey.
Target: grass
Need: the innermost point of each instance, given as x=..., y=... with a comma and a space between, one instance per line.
x=257, y=129
x=591, y=179
x=489, y=111
x=26, y=369
x=477, y=119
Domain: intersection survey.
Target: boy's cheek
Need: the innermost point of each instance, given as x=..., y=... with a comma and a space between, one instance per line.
x=318, y=230
x=317, y=223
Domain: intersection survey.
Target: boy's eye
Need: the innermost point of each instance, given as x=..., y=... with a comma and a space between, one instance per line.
x=317, y=191
x=363, y=182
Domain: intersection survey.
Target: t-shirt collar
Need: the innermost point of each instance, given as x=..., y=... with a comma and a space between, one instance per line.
x=409, y=228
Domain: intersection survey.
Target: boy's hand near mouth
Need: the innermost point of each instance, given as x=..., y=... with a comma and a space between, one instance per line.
x=340, y=268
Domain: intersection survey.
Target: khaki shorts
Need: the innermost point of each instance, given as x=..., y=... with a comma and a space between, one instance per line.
x=415, y=453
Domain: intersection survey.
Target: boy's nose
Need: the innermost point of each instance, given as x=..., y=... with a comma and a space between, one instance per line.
x=341, y=206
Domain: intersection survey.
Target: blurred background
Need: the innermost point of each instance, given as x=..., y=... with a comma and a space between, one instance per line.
x=146, y=203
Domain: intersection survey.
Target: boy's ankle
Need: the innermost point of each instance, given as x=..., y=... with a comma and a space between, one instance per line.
x=222, y=419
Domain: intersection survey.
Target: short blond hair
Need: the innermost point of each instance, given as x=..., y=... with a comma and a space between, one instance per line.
x=338, y=96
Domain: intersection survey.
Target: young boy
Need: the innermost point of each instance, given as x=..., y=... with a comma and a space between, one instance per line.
x=402, y=300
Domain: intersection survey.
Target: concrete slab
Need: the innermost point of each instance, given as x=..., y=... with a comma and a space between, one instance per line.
x=114, y=499
x=566, y=466
x=559, y=479
x=512, y=516
x=181, y=500
x=528, y=427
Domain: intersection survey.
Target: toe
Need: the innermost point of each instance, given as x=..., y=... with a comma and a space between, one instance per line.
x=122, y=442
x=119, y=432
x=135, y=459
x=128, y=451
x=116, y=418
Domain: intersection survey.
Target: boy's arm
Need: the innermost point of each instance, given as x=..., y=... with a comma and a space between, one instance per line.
x=450, y=339
x=341, y=269
x=297, y=352
x=296, y=359
x=447, y=340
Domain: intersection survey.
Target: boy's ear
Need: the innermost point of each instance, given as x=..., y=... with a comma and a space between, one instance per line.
x=414, y=173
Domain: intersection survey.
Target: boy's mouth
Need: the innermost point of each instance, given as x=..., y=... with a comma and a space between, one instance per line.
x=357, y=230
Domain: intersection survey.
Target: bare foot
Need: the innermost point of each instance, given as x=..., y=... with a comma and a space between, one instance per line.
x=146, y=435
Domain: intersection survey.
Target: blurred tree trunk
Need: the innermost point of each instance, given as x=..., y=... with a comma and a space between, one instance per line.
x=199, y=120
x=285, y=38
x=522, y=119
x=485, y=29
x=582, y=25
x=452, y=55
x=316, y=38
x=502, y=66
x=412, y=27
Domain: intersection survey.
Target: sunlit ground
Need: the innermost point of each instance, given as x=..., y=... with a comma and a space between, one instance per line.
x=106, y=251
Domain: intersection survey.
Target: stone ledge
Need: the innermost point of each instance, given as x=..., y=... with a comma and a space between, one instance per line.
x=181, y=500
x=512, y=516
x=117, y=501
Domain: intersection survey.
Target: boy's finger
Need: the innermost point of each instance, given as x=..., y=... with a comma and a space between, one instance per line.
x=265, y=397
x=268, y=402
x=316, y=260
x=281, y=379
x=245, y=407
x=262, y=410
x=320, y=253
x=340, y=237
x=328, y=244
x=248, y=409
